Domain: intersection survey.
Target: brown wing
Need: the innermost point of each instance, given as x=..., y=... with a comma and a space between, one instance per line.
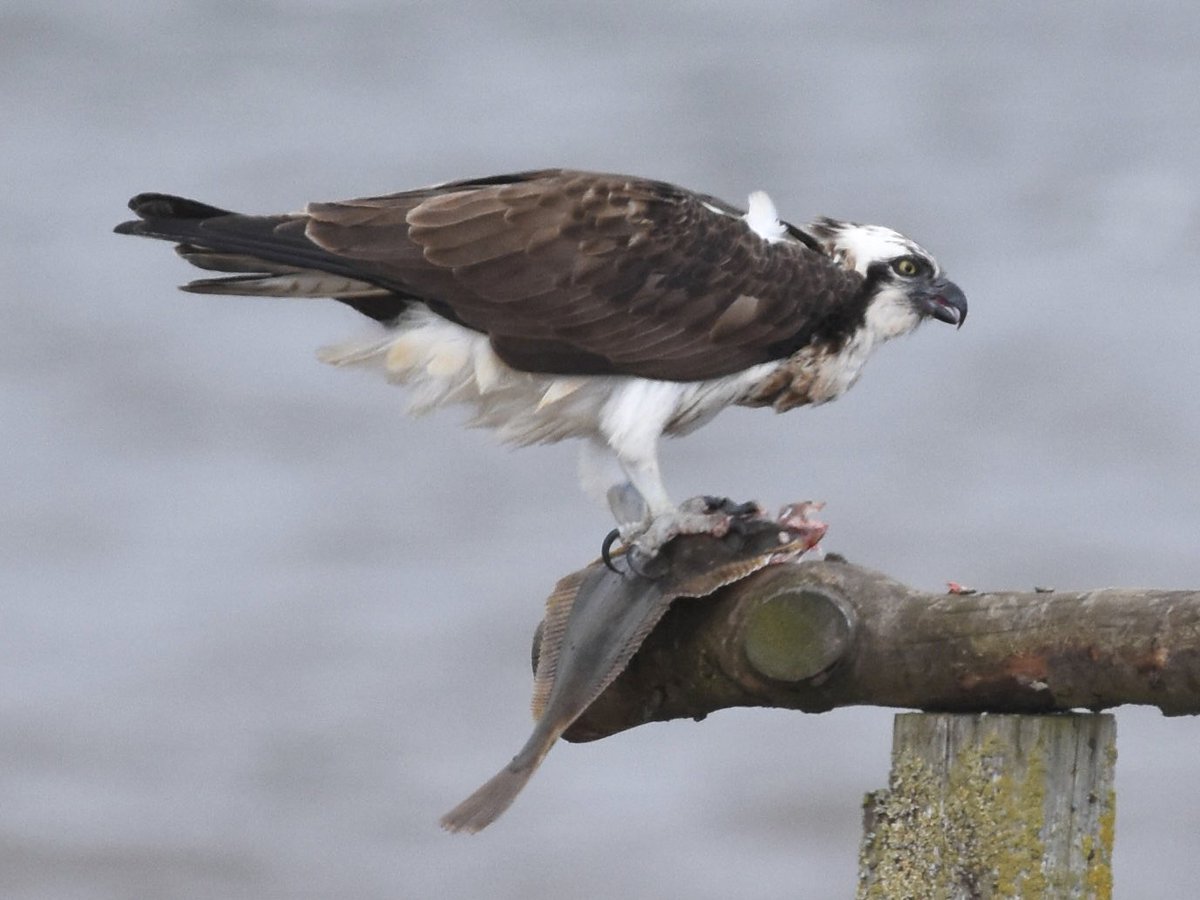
x=578, y=272
x=567, y=272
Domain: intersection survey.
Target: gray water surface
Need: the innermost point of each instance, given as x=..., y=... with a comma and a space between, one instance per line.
x=260, y=629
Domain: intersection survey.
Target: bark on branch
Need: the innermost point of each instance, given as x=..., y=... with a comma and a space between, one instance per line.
x=818, y=635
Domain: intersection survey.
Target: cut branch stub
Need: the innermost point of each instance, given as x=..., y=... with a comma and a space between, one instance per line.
x=792, y=631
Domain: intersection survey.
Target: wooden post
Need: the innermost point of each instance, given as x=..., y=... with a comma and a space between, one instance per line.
x=993, y=806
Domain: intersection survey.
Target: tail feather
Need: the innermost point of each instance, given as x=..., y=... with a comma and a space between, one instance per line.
x=203, y=258
x=268, y=256
x=300, y=283
x=275, y=240
x=150, y=205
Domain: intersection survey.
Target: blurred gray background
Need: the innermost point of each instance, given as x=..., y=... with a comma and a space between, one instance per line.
x=260, y=629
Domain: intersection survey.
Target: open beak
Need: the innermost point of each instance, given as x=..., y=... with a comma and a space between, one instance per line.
x=947, y=303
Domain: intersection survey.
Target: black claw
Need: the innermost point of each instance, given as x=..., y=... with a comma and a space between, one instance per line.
x=606, y=550
x=729, y=507
x=714, y=503
x=740, y=525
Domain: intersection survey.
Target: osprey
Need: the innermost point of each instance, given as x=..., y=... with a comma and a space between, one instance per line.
x=564, y=304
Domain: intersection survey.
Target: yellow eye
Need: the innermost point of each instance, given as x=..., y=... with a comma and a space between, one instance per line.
x=906, y=266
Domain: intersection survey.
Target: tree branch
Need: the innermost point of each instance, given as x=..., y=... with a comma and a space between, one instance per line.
x=814, y=636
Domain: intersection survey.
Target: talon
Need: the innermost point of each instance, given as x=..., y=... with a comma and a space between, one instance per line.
x=714, y=504
x=738, y=525
x=738, y=510
x=606, y=551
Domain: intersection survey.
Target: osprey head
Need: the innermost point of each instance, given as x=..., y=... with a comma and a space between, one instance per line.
x=906, y=283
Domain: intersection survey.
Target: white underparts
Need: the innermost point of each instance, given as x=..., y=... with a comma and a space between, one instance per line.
x=763, y=219
x=444, y=364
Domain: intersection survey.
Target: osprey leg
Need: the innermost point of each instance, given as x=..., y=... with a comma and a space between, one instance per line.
x=662, y=520
x=646, y=480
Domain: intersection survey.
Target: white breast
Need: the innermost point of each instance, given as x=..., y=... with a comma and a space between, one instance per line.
x=445, y=364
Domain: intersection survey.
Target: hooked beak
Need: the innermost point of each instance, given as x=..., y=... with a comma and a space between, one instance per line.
x=947, y=303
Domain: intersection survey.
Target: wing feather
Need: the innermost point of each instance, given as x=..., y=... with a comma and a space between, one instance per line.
x=568, y=272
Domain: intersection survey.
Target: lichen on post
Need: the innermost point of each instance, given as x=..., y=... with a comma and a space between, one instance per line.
x=993, y=806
